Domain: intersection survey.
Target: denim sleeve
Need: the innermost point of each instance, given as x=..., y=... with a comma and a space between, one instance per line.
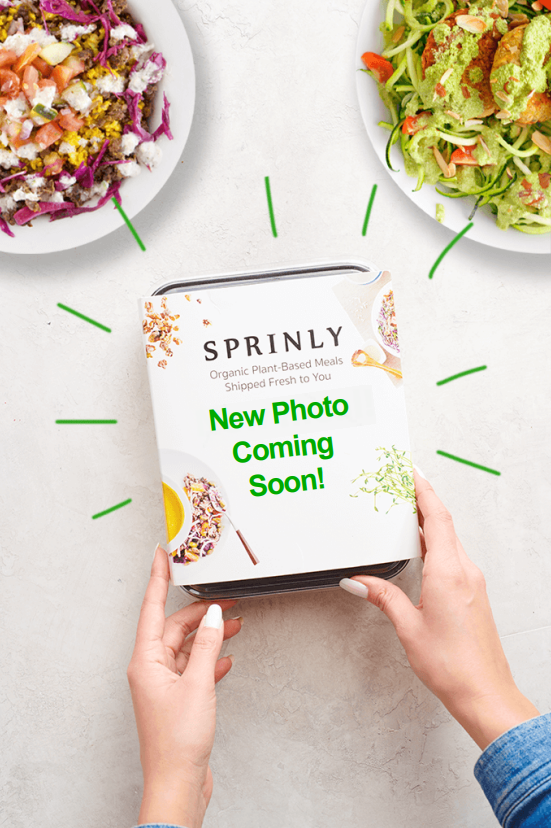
x=515, y=774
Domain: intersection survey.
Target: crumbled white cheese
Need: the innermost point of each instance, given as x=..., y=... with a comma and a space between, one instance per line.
x=110, y=83
x=16, y=108
x=129, y=142
x=123, y=31
x=67, y=180
x=55, y=198
x=25, y=195
x=4, y=139
x=34, y=182
x=129, y=169
x=78, y=98
x=142, y=49
x=142, y=78
x=18, y=42
x=29, y=151
x=45, y=96
x=65, y=148
x=149, y=154
x=70, y=33
x=7, y=203
x=98, y=190
x=8, y=159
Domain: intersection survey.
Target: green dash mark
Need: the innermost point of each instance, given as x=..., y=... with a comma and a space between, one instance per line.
x=112, y=509
x=270, y=205
x=369, y=207
x=468, y=463
x=449, y=247
x=462, y=374
x=129, y=223
x=81, y=316
x=86, y=422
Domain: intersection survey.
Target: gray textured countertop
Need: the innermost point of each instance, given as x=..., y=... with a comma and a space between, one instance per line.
x=321, y=722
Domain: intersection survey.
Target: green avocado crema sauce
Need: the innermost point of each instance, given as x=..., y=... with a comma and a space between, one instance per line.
x=460, y=50
x=514, y=203
x=515, y=83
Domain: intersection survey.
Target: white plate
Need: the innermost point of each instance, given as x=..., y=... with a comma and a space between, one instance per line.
x=373, y=110
x=165, y=29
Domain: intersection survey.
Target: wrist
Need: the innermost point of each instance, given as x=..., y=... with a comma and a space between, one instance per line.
x=488, y=716
x=174, y=802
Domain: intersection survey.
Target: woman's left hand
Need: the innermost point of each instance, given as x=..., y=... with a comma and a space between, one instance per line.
x=172, y=677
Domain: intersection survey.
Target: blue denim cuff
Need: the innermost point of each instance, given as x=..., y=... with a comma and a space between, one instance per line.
x=515, y=774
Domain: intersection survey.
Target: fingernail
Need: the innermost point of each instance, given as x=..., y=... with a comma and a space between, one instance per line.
x=155, y=553
x=231, y=658
x=240, y=619
x=213, y=618
x=354, y=587
x=419, y=472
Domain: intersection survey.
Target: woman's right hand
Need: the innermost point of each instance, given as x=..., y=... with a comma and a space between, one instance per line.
x=450, y=637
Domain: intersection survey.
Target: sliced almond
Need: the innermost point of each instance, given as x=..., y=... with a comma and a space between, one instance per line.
x=503, y=7
x=474, y=25
x=446, y=75
x=503, y=115
x=452, y=169
x=441, y=161
x=471, y=122
x=397, y=36
x=503, y=97
x=453, y=115
x=542, y=141
x=484, y=146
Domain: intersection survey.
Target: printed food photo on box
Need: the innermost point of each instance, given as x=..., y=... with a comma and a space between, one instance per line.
x=281, y=426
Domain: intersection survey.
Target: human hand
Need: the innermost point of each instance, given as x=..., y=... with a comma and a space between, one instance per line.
x=176, y=714
x=450, y=637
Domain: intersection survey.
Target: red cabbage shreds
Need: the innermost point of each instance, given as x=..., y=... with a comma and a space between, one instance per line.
x=132, y=99
x=5, y=228
x=10, y=178
x=63, y=9
x=158, y=60
x=112, y=14
x=141, y=32
x=164, y=128
x=26, y=214
x=102, y=56
x=71, y=210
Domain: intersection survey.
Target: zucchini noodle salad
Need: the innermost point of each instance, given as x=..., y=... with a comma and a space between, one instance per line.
x=77, y=86
x=468, y=87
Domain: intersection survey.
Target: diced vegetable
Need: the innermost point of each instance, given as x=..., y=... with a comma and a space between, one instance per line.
x=48, y=135
x=381, y=68
x=68, y=120
x=53, y=164
x=30, y=82
x=75, y=64
x=464, y=155
x=7, y=57
x=41, y=111
x=43, y=67
x=415, y=123
x=31, y=52
x=56, y=52
x=62, y=75
x=10, y=83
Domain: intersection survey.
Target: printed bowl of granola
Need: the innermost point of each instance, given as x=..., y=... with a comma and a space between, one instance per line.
x=96, y=103
x=205, y=527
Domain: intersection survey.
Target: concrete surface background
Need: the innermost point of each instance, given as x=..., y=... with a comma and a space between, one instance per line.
x=321, y=722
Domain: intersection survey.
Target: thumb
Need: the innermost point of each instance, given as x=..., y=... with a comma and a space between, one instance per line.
x=206, y=649
x=389, y=598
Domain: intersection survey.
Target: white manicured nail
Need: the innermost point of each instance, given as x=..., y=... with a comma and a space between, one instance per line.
x=354, y=587
x=419, y=472
x=155, y=553
x=213, y=618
